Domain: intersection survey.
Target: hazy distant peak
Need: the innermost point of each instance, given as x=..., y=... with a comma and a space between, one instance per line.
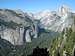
x=64, y=9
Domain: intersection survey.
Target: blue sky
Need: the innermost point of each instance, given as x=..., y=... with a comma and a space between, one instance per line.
x=35, y=5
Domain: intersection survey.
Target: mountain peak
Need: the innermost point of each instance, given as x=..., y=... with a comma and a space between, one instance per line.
x=64, y=9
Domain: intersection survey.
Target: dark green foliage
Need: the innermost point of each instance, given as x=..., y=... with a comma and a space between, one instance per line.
x=43, y=41
x=14, y=13
x=68, y=45
x=10, y=24
x=39, y=52
x=5, y=47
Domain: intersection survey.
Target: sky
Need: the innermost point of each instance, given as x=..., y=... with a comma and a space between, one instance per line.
x=36, y=5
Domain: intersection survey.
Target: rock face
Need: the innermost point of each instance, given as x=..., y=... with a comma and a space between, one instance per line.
x=58, y=20
x=13, y=23
x=18, y=36
x=12, y=36
x=28, y=36
x=36, y=28
x=63, y=10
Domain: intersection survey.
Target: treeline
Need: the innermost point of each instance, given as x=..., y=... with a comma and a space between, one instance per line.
x=64, y=44
x=10, y=24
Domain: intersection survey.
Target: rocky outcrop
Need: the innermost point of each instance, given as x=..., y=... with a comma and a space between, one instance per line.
x=57, y=20
x=18, y=36
x=28, y=35
x=13, y=23
x=35, y=28
x=11, y=35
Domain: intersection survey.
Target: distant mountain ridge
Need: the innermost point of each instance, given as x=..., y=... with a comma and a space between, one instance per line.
x=56, y=20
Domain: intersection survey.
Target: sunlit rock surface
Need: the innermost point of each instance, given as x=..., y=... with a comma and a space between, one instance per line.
x=13, y=23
